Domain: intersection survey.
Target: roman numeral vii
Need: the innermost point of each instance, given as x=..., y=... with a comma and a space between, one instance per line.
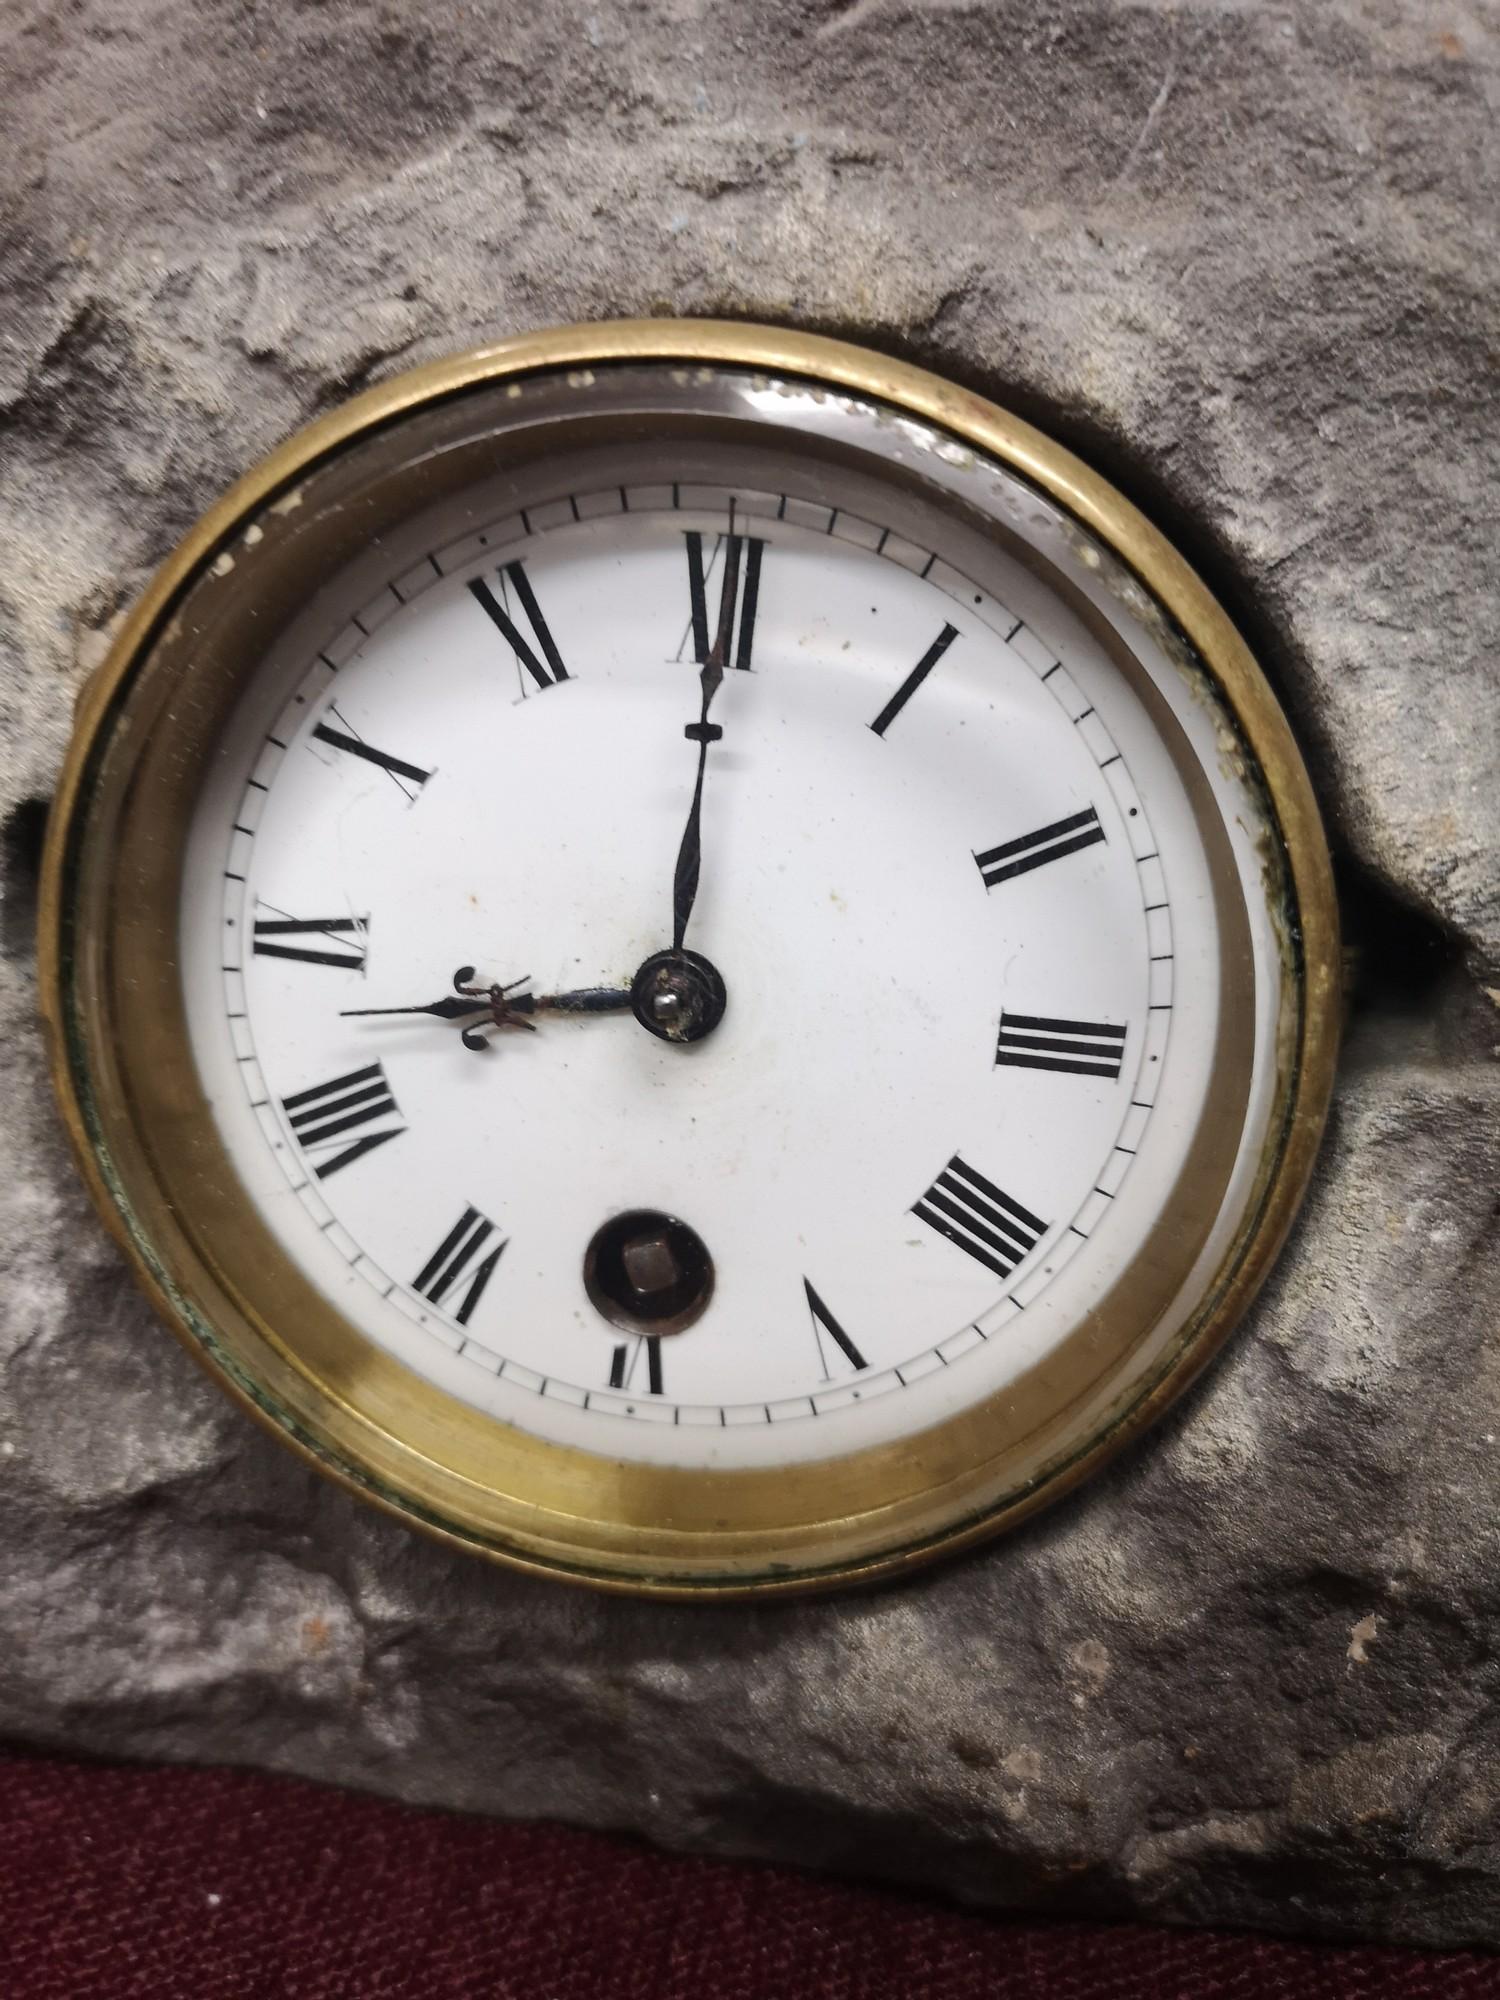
x=466, y=1260
x=982, y=1220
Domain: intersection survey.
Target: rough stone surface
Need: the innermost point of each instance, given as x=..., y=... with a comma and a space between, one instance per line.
x=1245, y=258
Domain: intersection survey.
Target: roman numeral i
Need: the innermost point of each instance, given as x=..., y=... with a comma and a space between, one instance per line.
x=980, y=1218
x=322, y=1115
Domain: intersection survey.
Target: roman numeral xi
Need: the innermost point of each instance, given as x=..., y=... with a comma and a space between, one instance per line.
x=323, y=1117
x=537, y=654
x=1083, y=1048
x=1034, y=850
x=980, y=1218
x=739, y=597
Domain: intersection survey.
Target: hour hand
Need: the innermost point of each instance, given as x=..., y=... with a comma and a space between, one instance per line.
x=505, y=1006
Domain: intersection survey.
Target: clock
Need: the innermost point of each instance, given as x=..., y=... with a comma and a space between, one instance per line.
x=690, y=957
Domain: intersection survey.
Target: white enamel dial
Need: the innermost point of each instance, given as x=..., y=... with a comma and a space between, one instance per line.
x=951, y=877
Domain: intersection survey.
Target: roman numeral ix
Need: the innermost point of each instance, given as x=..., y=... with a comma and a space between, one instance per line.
x=464, y=1259
x=268, y=933
x=321, y=1116
x=1083, y=1048
x=982, y=1220
x=739, y=596
x=824, y=1322
x=1034, y=850
x=542, y=660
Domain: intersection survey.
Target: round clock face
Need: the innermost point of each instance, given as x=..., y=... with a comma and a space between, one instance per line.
x=698, y=974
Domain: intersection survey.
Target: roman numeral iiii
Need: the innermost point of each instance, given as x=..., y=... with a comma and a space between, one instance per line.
x=1082, y=1048
x=541, y=659
x=980, y=1218
x=1035, y=850
x=322, y=1116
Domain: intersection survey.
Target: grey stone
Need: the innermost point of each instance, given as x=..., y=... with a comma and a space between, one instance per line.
x=1246, y=260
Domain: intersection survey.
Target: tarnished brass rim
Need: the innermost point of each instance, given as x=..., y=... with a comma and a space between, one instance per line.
x=977, y=423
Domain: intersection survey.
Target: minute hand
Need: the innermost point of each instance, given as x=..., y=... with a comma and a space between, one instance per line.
x=703, y=732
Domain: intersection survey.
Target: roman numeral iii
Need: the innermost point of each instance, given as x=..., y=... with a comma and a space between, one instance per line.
x=541, y=660
x=270, y=935
x=463, y=1263
x=739, y=597
x=1034, y=850
x=1083, y=1048
x=322, y=1116
x=980, y=1218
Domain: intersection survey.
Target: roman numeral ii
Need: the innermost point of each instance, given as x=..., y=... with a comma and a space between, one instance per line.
x=1034, y=850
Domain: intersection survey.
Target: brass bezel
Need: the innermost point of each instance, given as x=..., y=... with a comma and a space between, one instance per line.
x=660, y=1531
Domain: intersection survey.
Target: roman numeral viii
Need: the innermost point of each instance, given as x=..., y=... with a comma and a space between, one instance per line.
x=466, y=1258
x=982, y=1220
x=739, y=597
x=541, y=659
x=270, y=937
x=1084, y=1048
x=1034, y=850
x=322, y=1116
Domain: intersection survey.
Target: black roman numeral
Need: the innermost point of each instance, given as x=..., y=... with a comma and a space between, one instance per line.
x=322, y=1115
x=823, y=1318
x=914, y=679
x=739, y=597
x=464, y=1257
x=622, y=1363
x=973, y=1213
x=1084, y=1048
x=546, y=669
x=349, y=740
x=1033, y=850
x=266, y=932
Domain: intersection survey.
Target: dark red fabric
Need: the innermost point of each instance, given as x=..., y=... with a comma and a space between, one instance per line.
x=217, y=1885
